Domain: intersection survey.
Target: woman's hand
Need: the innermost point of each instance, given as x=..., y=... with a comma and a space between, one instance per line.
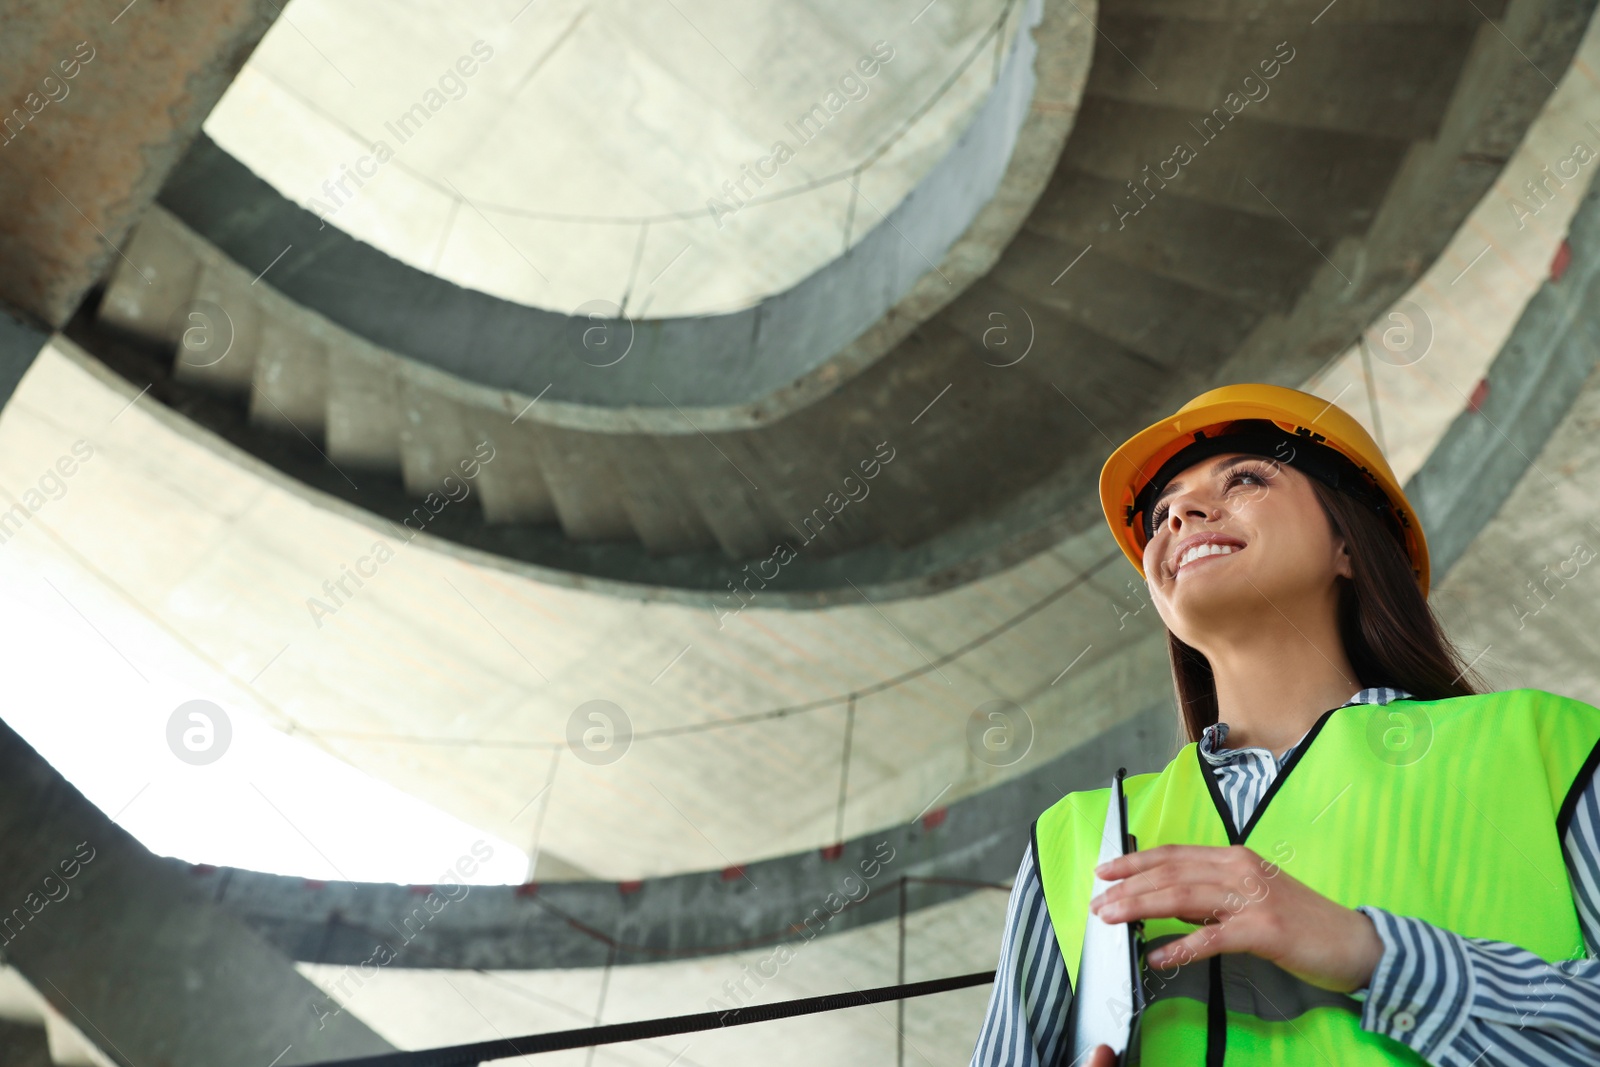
x=1246, y=905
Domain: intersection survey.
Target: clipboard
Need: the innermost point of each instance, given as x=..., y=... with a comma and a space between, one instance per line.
x=1110, y=996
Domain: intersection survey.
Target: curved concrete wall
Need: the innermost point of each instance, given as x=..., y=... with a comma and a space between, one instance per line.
x=695, y=362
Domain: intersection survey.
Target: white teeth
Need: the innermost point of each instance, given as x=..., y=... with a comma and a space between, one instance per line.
x=1205, y=550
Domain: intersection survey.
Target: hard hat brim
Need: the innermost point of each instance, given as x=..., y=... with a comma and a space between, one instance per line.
x=1138, y=459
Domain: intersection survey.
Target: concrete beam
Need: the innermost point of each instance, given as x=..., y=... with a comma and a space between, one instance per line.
x=96, y=105
x=1531, y=385
x=945, y=853
x=127, y=947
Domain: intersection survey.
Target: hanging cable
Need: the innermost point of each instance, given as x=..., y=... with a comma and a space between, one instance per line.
x=481, y=1051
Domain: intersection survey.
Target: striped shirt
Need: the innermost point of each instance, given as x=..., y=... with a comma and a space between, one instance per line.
x=1455, y=1001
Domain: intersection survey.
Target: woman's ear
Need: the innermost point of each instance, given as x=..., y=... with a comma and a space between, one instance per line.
x=1342, y=565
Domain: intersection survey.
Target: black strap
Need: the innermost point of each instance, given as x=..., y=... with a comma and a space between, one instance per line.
x=478, y=1052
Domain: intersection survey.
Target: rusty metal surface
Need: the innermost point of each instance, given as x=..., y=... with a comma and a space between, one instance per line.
x=97, y=103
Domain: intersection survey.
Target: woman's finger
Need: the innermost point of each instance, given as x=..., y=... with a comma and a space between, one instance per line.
x=1208, y=864
x=1138, y=862
x=1189, y=901
x=1202, y=944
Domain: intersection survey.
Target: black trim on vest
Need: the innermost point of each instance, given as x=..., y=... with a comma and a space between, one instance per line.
x=1239, y=837
x=1293, y=762
x=1216, y=1018
x=1216, y=1007
x=1569, y=805
x=1216, y=798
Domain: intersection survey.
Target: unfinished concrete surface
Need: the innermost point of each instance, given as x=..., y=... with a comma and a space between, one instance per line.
x=504, y=182
x=1273, y=248
x=100, y=101
x=765, y=694
x=772, y=728
x=600, y=364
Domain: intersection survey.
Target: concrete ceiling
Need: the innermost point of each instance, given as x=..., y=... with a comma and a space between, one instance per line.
x=576, y=162
x=460, y=681
x=1275, y=249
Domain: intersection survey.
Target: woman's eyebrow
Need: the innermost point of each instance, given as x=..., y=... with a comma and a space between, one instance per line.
x=1216, y=468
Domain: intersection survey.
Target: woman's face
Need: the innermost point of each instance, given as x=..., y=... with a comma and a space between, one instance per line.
x=1239, y=533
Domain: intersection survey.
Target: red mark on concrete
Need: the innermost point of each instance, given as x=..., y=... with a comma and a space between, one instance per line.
x=934, y=818
x=629, y=887
x=833, y=852
x=730, y=873
x=527, y=889
x=1562, y=259
x=1480, y=393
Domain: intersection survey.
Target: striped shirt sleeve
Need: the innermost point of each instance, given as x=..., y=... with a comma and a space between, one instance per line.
x=1025, y=1025
x=1468, y=1002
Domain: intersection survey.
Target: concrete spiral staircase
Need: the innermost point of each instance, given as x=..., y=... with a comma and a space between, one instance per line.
x=1297, y=222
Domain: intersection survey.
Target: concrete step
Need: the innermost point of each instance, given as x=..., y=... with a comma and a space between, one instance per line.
x=289, y=393
x=581, y=471
x=1325, y=183
x=1064, y=354
x=363, y=420
x=1245, y=258
x=434, y=438
x=944, y=415
x=803, y=459
x=1352, y=78
x=790, y=489
x=665, y=518
x=1165, y=321
x=727, y=502
x=511, y=484
x=220, y=334
x=153, y=278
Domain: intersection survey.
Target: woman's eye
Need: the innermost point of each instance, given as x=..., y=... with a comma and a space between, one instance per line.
x=1159, y=514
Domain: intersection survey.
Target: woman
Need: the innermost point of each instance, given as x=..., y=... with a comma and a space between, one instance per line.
x=1423, y=888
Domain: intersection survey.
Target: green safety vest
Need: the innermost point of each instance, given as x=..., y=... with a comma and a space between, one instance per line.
x=1450, y=811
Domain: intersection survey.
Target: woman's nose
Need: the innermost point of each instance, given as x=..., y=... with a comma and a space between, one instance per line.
x=1188, y=507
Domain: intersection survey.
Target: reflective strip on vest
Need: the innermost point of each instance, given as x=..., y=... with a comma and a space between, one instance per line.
x=1443, y=810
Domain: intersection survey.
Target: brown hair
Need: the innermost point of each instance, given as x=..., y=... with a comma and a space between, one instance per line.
x=1390, y=634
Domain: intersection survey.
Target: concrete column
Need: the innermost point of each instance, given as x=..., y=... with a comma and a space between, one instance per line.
x=97, y=102
x=126, y=947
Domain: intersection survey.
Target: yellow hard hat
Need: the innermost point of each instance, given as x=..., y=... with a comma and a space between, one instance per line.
x=1305, y=431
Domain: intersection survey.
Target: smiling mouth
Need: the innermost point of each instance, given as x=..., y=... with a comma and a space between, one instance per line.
x=1204, y=551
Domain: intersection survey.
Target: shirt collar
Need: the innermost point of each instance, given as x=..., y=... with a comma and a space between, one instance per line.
x=1214, y=738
